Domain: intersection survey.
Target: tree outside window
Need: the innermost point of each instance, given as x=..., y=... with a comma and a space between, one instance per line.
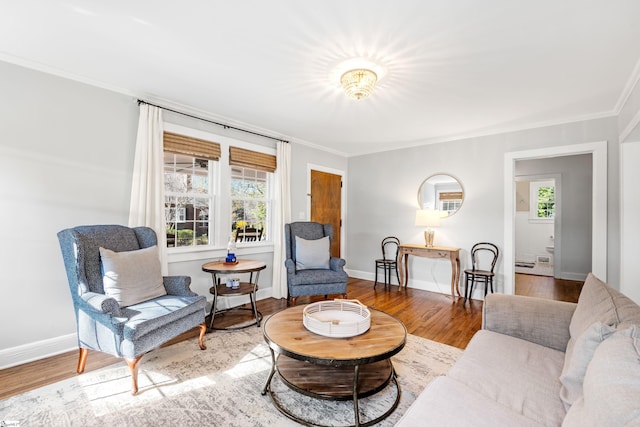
x=542, y=200
x=546, y=202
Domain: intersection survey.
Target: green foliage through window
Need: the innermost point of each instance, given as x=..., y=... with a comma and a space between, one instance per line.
x=546, y=202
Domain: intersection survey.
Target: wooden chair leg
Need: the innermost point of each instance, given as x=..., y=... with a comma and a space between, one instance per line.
x=293, y=301
x=133, y=367
x=375, y=281
x=82, y=359
x=203, y=330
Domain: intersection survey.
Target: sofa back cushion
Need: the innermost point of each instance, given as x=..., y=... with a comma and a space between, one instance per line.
x=600, y=303
x=611, y=389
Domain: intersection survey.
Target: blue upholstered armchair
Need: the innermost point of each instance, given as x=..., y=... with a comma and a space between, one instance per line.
x=311, y=270
x=117, y=328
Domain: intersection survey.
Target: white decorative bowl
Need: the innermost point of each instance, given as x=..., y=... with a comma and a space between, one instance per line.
x=337, y=318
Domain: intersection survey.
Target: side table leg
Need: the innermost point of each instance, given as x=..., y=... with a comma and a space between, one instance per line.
x=267, y=386
x=212, y=313
x=356, y=371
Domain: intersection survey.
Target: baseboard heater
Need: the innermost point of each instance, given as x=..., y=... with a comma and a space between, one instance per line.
x=546, y=259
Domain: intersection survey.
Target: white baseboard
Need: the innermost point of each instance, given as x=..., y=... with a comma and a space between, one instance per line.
x=37, y=350
x=580, y=277
x=445, y=289
x=416, y=284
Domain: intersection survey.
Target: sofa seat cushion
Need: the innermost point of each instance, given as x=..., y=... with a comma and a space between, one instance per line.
x=314, y=277
x=159, y=312
x=447, y=402
x=611, y=387
x=515, y=373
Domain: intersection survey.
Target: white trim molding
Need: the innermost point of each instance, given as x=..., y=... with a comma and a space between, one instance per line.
x=599, y=204
x=18, y=355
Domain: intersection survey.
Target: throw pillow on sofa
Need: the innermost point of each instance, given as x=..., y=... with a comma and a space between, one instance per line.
x=577, y=361
x=611, y=388
x=599, y=303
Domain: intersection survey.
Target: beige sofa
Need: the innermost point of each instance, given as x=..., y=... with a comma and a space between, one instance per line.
x=543, y=363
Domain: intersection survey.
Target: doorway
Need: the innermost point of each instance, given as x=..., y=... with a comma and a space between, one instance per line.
x=598, y=242
x=325, y=203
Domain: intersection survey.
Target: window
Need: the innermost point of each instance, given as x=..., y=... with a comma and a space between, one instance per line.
x=542, y=205
x=545, y=202
x=249, y=203
x=188, y=200
x=251, y=173
x=188, y=188
x=450, y=201
x=207, y=194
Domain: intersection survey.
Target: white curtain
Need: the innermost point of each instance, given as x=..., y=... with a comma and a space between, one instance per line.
x=147, y=188
x=282, y=216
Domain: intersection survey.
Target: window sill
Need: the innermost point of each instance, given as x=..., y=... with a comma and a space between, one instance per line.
x=175, y=255
x=541, y=220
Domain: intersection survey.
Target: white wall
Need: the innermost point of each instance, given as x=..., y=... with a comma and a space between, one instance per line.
x=630, y=248
x=383, y=187
x=66, y=154
x=532, y=238
x=66, y=158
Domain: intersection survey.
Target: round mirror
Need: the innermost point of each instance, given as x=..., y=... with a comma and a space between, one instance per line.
x=441, y=192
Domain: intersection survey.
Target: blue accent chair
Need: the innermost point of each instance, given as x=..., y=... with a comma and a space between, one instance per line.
x=315, y=281
x=102, y=324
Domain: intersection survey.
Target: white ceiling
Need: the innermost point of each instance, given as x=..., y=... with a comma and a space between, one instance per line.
x=452, y=68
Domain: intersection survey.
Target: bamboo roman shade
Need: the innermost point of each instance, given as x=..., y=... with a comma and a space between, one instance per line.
x=252, y=159
x=452, y=195
x=187, y=145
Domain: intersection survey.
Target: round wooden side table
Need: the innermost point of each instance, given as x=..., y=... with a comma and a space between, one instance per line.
x=246, y=288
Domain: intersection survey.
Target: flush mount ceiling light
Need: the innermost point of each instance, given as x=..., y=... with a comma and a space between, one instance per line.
x=358, y=83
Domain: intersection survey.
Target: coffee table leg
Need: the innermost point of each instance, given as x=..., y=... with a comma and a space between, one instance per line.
x=273, y=371
x=356, y=371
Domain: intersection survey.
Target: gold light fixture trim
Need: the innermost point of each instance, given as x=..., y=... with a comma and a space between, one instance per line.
x=358, y=83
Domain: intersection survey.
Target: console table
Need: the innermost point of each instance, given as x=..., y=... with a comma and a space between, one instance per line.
x=451, y=254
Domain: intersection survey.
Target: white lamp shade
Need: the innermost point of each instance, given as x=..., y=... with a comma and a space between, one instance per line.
x=427, y=218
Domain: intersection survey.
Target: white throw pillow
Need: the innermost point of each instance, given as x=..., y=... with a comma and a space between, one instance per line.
x=132, y=277
x=611, y=384
x=577, y=361
x=311, y=254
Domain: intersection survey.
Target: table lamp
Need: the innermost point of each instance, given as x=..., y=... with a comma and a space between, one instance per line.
x=428, y=218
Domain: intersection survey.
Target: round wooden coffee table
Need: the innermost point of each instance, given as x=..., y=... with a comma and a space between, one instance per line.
x=333, y=368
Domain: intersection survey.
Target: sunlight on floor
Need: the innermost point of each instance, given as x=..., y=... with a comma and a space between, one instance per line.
x=109, y=389
x=257, y=360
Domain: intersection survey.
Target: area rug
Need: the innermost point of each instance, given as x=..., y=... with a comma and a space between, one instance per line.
x=181, y=385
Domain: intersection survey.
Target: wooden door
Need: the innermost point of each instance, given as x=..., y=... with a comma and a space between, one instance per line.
x=326, y=197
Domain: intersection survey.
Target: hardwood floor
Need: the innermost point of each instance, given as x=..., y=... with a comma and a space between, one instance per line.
x=548, y=287
x=426, y=314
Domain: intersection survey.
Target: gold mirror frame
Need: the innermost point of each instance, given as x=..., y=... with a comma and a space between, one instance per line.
x=440, y=190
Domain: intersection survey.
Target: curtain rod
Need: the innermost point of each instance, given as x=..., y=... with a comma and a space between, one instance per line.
x=140, y=101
